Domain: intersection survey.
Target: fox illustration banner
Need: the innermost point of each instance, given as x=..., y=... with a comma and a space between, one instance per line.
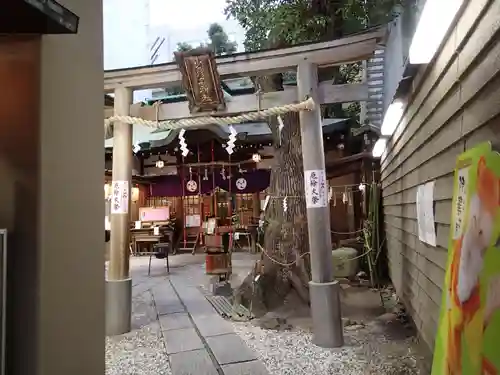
x=468, y=336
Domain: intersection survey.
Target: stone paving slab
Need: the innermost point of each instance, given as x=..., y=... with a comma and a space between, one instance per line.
x=200, y=308
x=190, y=277
x=143, y=312
x=230, y=348
x=166, y=300
x=245, y=368
x=182, y=340
x=168, y=308
x=197, y=339
x=164, y=291
x=175, y=321
x=196, y=362
x=195, y=301
x=212, y=325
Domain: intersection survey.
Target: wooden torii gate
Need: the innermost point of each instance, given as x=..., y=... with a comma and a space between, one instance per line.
x=305, y=59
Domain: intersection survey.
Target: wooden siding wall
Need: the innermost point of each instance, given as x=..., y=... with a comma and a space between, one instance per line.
x=455, y=104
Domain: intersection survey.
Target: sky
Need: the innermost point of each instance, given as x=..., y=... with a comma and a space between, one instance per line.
x=186, y=14
x=130, y=26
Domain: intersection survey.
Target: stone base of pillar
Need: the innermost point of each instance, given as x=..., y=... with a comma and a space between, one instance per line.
x=326, y=314
x=118, y=306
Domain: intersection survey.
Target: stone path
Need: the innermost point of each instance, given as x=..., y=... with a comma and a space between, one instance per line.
x=198, y=340
x=176, y=331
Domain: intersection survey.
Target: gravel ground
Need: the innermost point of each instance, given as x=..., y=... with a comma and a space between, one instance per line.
x=138, y=353
x=142, y=351
x=292, y=353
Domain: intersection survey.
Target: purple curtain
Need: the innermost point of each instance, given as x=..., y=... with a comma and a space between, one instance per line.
x=246, y=183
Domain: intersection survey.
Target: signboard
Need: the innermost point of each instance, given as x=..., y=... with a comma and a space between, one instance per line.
x=201, y=80
x=469, y=330
x=425, y=213
x=315, y=188
x=193, y=221
x=154, y=213
x=120, y=197
x=461, y=193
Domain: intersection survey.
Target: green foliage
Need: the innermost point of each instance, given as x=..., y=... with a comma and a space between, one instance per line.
x=183, y=47
x=219, y=43
x=219, y=40
x=281, y=23
x=352, y=110
x=286, y=22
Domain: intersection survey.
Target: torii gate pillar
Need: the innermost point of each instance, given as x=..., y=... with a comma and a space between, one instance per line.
x=118, y=281
x=323, y=289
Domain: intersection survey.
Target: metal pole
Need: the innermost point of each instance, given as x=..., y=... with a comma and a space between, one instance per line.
x=323, y=289
x=118, y=282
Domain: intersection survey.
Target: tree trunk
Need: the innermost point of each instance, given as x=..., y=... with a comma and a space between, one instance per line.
x=284, y=263
x=286, y=238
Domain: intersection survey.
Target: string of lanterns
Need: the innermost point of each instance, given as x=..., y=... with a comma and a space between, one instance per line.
x=241, y=182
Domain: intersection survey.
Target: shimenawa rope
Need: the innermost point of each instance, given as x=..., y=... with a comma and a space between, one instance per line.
x=306, y=105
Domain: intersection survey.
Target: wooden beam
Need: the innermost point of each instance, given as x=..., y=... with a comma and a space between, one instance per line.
x=350, y=159
x=248, y=103
x=340, y=51
x=344, y=169
x=347, y=164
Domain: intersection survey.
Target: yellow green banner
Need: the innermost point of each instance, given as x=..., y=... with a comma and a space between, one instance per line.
x=468, y=337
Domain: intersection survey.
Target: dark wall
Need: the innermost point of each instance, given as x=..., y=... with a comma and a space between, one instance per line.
x=19, y=135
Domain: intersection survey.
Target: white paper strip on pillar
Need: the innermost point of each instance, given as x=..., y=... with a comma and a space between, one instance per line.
x=315, y=188
x=120, y=197
x=425, y=213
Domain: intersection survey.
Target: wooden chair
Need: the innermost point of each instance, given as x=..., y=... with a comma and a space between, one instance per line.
x=161, y=252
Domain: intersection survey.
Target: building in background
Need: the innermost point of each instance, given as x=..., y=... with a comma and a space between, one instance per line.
x=126, y=33
x=167, y=38
x=147, y=32
x=164, y=39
